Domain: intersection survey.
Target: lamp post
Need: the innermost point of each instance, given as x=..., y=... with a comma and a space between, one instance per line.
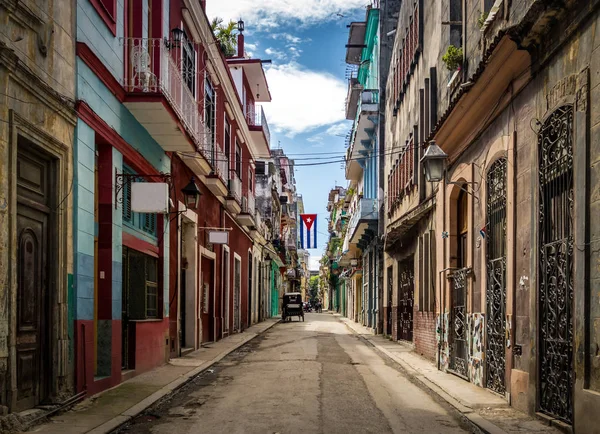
x=240, y=25
x=191, y=194
x=434, y=162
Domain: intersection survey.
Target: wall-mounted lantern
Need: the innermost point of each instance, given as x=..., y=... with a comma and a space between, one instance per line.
x=176, y=37
x=434, y=162
x=191, y=195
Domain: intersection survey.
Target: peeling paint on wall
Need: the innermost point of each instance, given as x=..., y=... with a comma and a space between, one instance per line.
x=442, y=349
x=476, y=327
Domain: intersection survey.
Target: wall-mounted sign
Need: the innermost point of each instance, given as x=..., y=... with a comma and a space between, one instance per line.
x=150, y=197
x=218, y=237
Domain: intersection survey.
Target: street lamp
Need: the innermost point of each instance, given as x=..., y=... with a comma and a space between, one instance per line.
x=176, y=37
x=434, y=162
x=191, y=195
x=240, y=25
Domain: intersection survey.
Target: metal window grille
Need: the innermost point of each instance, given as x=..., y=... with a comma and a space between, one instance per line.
x=555, y=289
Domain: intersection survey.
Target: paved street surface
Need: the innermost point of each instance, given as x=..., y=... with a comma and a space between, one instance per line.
x=311, y=377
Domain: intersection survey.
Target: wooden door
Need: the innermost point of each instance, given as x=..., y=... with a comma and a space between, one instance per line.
x=406, y=296
x=34, y=322
x=207, y=306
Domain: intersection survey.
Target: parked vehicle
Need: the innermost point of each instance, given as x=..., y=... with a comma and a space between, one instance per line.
x=292, y=306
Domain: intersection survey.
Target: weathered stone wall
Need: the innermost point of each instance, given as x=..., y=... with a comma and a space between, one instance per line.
x=37, y=87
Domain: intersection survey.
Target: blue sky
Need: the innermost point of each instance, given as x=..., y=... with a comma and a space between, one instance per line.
x=305, y=39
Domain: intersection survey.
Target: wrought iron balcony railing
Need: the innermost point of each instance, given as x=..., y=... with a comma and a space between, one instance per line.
x=220, y=164
x=255, y=116
x=153, y=69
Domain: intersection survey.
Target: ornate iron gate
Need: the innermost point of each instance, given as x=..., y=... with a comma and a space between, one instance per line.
x=496, y=277
x=555, y=149
x=458, y=323
x=406, y=297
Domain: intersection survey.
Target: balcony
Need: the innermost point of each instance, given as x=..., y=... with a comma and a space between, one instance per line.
x=259, y=129
x=246, y=217
x=218, y=179
x=354, y=92
x=363, y=133
x=363, y=221
x=234, y=198
x=291, y=242
x=159, y=95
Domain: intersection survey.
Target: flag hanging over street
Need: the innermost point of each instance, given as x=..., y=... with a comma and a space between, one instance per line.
x=308, y=231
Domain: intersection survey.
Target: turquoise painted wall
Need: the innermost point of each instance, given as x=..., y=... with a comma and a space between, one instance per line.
x=91, y=90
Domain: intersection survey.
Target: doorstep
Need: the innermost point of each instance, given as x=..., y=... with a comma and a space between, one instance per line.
x=491, y=413
x=108, y=410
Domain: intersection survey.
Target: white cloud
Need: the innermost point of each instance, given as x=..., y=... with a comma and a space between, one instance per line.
x=303, y=99
x=270, y=13
x=291, y=39
x=277, y=54
x=340, y=129
x=250, y=46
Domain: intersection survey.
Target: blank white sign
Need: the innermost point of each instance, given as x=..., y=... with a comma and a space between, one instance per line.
x=150, y=197
x=218, y=237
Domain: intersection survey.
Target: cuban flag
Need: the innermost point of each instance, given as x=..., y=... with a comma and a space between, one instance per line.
x=308, y=231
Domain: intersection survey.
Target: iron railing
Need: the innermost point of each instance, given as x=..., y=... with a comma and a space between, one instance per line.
x=255, y=116
x=458, y=323
x=152, y=69
x=235, y=187
x=366, y=209
x=220, y=165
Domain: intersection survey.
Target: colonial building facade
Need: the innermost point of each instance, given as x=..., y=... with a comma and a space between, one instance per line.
x=490, y=166
x=158, y=102
x=37, y=124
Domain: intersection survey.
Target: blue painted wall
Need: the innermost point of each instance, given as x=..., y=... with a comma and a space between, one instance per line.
x=92, y=31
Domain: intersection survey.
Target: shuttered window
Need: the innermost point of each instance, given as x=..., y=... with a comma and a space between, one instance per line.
x=145, y=222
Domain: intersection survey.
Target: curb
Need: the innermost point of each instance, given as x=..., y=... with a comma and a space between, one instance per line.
x=478, y=422
x=141, y=406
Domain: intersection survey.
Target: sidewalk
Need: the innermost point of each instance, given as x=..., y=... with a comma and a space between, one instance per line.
x=489, y=412
x=106, y=411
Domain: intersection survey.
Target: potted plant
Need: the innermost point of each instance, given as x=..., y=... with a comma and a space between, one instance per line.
x=453, y=58
x=482, y=18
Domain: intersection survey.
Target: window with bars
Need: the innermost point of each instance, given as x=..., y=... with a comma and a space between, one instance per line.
x=145, y=222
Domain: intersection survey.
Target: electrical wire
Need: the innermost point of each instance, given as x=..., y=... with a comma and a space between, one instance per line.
x=332, y=160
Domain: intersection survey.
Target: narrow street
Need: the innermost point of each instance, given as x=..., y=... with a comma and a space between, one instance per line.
x=313, y=377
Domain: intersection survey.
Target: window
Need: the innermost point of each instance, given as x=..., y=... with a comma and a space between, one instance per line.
x=238, y=160
x=227, y=144
x=456, y=32
x=188, y=64
x=210, y=99
x=145, y=222
x=250, y=180
x=140, y=279
x=463, y=228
